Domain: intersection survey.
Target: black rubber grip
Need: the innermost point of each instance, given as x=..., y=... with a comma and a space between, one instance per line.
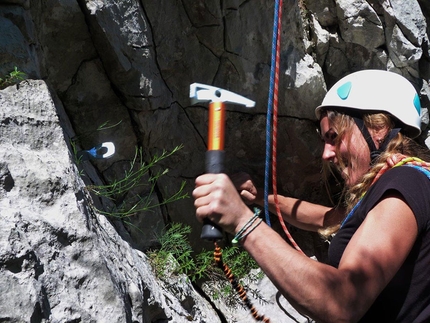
x=215, y=161
x=214, y=165
x=211, y=231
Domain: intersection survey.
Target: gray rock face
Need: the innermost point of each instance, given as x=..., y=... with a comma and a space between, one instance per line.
x=61, y=262
x=120, y=71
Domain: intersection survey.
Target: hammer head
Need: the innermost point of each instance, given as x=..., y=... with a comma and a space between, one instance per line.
x=207, y=93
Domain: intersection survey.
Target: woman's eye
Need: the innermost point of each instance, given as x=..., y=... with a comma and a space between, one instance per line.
x=333, y=136
x=330, y=136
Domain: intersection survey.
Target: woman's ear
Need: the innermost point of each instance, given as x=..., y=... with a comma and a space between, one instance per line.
x=378, y=136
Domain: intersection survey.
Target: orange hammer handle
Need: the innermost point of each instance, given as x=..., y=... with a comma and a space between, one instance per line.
x=216, y=126
x=214, y=159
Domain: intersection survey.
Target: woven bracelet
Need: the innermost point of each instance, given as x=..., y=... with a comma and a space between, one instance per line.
x=243, y=232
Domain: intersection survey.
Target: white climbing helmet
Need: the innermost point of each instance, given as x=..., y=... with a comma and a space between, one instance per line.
x=377, y=91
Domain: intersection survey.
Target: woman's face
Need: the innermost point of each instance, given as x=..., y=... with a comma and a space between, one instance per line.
x=353, y=152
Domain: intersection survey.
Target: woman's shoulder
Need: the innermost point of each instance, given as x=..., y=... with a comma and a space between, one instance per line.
x=410, y=181
x=407, y=173
x=413, y=183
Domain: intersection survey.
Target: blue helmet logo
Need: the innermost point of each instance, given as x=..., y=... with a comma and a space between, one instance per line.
x=343, y=90
x=417, y=103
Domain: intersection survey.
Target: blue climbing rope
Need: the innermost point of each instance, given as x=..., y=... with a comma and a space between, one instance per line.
x=270, y=114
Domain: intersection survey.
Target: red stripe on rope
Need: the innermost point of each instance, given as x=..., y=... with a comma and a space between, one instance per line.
x=275, y=133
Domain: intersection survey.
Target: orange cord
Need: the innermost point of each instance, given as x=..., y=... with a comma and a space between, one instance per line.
x=237, y=286
x=275, y=135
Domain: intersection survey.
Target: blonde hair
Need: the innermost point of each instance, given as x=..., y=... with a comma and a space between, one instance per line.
x=343, y=125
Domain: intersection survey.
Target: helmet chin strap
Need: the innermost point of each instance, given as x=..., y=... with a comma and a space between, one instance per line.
x=374, y=152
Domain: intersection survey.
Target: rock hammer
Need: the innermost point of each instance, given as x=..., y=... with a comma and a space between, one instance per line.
x=214, y=159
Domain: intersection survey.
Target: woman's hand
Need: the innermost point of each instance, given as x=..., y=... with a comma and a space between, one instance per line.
x=246, y=188
x=217, y=199
x=394, y=159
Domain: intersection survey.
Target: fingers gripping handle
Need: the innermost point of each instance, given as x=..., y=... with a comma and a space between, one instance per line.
x=214, y=165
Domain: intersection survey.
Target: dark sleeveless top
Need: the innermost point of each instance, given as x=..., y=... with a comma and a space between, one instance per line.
x=407, y=296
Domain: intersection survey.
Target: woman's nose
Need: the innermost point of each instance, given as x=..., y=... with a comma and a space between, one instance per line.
x=329, y=152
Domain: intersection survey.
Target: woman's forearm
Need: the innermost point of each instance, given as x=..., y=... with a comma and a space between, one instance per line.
x=304, y=215
x=311, y=287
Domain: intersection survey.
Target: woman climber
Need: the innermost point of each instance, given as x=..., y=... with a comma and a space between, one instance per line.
x=379, y=256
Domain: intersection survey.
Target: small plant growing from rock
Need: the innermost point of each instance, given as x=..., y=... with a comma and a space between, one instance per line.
x=175, y=256
x=138, y=175
x=173, y=245
x=13, y=77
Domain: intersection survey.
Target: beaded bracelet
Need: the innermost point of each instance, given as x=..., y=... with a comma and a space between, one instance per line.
x=243, y=232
